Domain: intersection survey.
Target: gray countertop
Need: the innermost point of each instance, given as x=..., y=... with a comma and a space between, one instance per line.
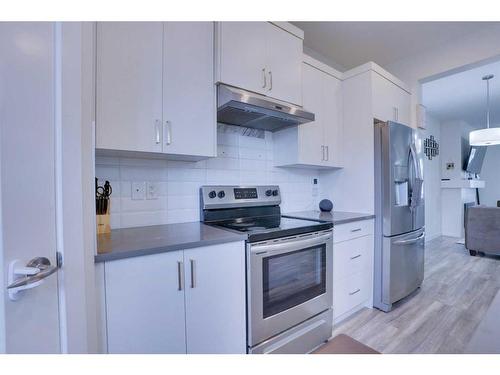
x=131, y=242
x=336, y=217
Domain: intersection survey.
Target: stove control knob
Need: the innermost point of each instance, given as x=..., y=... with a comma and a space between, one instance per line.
x=269, y=193
x=275, y=193
x=221, y=194
x=212, y=194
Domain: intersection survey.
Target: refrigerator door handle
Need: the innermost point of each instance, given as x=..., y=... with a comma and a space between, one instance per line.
x=418, y=172
x=413, y=240
x=416, y=184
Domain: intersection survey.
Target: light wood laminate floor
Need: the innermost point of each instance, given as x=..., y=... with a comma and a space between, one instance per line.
x=442, y=316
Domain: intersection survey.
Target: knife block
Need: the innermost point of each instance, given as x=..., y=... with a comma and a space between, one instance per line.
x=103, y=221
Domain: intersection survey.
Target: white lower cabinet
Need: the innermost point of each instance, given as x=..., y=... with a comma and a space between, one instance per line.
x=352, y=268
x=144, y=306
x=186, y=301
x=215, y=299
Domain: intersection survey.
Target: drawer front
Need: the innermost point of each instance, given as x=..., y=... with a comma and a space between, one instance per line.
x=344, y=232
x=350, y=292
x=353, y=256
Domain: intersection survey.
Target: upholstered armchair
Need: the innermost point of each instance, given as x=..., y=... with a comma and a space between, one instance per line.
x=482, y=230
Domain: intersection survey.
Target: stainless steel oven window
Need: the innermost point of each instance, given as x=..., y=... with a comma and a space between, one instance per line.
x=293, y=278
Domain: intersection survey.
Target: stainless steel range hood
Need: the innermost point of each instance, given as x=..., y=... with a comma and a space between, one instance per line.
x=244, y=108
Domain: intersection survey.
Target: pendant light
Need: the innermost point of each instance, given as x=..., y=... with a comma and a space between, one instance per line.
x=488, y=136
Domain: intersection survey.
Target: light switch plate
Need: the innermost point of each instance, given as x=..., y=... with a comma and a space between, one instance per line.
x=152, y=190
x=138, y=190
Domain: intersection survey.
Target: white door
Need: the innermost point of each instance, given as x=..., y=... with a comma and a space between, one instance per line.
x=243, y=55
x=28, y=190
x=311, y=134
x=215, y=299
x=188, y=89
x=284, y=52
x=129, y=86
x=333, y=125
x=145, y=304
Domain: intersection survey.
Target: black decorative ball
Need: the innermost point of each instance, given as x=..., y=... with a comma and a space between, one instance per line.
x=326, y=205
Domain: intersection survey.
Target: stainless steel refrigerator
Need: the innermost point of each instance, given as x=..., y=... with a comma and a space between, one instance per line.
x=400, y=216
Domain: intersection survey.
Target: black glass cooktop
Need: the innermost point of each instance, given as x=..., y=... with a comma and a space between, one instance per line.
x=270, y=227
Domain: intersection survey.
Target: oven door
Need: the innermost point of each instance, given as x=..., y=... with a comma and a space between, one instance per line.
x=290, y=281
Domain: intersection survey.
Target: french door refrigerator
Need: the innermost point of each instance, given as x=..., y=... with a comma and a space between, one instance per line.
x=399, y=212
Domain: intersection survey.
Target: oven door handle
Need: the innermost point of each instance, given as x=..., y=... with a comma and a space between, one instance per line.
x=284, y=247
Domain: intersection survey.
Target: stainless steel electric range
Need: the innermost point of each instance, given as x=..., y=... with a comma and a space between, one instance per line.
x=289, y=267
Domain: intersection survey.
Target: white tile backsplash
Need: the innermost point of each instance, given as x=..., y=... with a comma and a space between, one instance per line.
x=242, y=160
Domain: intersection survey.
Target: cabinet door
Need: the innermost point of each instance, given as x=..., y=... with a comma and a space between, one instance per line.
x=402, y=103
x=243, y=55
x=129, y=86
x=390, y=102
x=332, y=121
x=311, y=144
x=189, y=89
x=144, y=306
x=284, y=65
x=384, y=108
x=215, y=299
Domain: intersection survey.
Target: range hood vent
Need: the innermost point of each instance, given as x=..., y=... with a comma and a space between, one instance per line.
x=244, y=108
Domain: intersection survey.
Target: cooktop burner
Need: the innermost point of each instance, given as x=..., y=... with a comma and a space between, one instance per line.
x=269, y=227
x=253, y=210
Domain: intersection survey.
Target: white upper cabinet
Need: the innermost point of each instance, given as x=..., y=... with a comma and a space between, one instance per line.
x=129, y=86
x=260, y=57
x=333, y=126
x=284, y=66
x=390, y=102
x=189, y=89
x=311, y=135
x=318, y=143
x=242, y=55
x=155, y=88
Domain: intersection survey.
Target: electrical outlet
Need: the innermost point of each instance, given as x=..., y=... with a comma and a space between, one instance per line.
x=315, y=188
x=152, y=190
x=138, y=190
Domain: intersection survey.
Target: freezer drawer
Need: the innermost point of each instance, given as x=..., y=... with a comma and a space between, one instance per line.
x=403, y=256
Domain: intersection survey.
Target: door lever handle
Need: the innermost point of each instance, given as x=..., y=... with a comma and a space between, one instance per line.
x=26, y=277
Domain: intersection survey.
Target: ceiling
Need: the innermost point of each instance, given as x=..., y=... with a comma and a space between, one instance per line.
x=462, y=96
x=350, y=44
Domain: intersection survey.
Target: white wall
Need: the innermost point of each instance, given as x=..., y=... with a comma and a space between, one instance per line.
x=432, y=185
x=454, y=144
x=456, y=54
x=325, y=60
x=490, y=173
x=454, y=134
x=242, y=160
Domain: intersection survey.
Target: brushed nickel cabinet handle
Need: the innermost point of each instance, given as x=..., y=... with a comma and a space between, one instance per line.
x=356, y=291
x=157, y=131
x=322, y=153
x=327, y=153
x=270, y=81
x=355, y=257
x=193, y=273
x=356, y=230
x=265, y=78
x=168, y=126
x=180, y=276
